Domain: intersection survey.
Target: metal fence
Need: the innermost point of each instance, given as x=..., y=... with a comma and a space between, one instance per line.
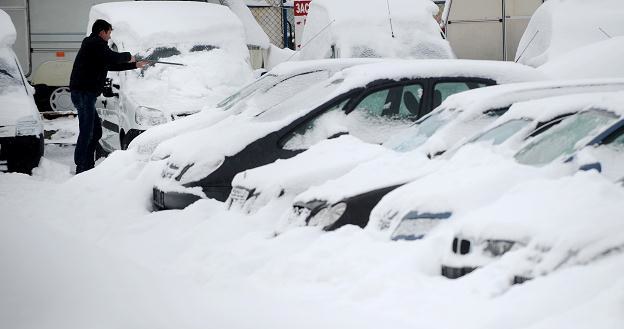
x=277, y=21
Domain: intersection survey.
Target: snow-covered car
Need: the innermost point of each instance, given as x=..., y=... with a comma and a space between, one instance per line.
x=601, y=127
x=21, y=128
x=460, y=118
x=373, y=28
x=367, y=101
x=476, y=177
x=559, y=26
x=282, y=82
x=596, y=60
x=208, y=40
x=539, y=227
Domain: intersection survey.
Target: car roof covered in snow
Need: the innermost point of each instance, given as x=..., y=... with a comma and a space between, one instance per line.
x=596, y=60
x=139, y=24
x=362, y=29
x=7, y=30
x=559, y=26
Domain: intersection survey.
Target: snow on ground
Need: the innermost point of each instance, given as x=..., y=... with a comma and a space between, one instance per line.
x=85, y=251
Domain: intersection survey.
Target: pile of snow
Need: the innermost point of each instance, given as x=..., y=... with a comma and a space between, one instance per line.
x=596, y=60
x=362, y=29
x=7, y=30
x=140, y=25
x=254, y=34
x=559, y=26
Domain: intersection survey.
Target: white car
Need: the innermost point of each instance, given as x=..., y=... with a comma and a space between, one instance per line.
x=373, y=28
x=479, y=174
x=206, y=44
x=21, y=129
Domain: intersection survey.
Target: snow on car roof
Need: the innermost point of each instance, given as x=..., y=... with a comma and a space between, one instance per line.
x=7, y=30
x=139, y=24
x=597, y=60
x=362, y=29
x=559, y=26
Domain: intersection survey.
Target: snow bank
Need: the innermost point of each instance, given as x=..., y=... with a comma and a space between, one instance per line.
x=362, y=29
x=596, y=60
x=254, y=34
x=559, y=26
x=7, y=30
x=141, y=25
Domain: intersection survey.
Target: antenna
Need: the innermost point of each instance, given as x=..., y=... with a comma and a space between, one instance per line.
x=527, y=46
x=390, y=18
x=605, y=33
x=314, y=37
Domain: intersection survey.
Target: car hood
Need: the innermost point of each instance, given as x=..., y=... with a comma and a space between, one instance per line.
x=391, y=169
x=15, y=103
x=474, y=177
x=326, y=160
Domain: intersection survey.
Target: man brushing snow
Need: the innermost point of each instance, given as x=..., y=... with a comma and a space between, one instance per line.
x=92, y=63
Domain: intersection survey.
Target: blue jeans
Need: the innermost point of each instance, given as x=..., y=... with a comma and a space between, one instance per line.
x=90, y=129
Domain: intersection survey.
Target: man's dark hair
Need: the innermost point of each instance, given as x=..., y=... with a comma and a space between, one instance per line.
x=101, y=25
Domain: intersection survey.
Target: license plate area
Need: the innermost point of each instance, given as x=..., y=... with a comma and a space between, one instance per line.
x=238, y=197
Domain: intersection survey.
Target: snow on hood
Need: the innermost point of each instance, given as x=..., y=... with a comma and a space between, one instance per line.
x=206, y=78
x=7, y=30
x=362, y=29
x=474, y=177
x=326, y=160
x=596, y=60
x=261, y=91
x=570, y=212
x=559, y=26
x=385, y=171
x=139, y=25
x=462, y=115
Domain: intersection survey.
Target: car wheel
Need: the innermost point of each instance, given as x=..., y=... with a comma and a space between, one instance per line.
x=60, y=100
x=23, y=161
x=124, y=141
x=100, y=152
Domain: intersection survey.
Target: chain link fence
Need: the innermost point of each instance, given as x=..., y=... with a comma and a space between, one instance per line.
x=271, y=19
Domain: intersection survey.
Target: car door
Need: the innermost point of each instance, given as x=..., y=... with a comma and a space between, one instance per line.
x=109, y=111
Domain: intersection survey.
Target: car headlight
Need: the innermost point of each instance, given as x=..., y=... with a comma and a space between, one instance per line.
x=147, y=116
x=328, y=215
x=28, y=126
x=497, y=248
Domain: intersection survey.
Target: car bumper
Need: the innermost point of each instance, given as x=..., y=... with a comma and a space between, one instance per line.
x=456, y=272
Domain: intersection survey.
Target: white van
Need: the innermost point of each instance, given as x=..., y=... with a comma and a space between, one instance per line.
x=21, y=129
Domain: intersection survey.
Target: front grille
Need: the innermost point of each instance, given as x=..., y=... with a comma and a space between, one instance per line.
x=461, y=246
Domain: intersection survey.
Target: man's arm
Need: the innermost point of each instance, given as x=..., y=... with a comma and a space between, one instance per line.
x=122, y=66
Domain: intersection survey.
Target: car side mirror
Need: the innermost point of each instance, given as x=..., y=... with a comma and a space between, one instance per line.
x=585, y=160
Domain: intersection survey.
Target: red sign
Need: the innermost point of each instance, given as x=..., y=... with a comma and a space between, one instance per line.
x=301, y=7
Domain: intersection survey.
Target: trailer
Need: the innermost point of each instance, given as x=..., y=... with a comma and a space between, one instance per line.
x=486, y=29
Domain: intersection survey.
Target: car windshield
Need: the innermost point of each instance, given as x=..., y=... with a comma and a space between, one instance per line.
x=563, y=139
x=502, y=132
x=260, y=84
x=9, y=73
x=417, y=134
x=297, y=95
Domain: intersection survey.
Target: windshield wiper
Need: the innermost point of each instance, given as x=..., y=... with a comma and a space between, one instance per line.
x=6, y=73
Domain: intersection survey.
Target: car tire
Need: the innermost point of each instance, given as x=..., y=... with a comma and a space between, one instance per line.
x=25, y=159
x=100, y=152
x=53, y=99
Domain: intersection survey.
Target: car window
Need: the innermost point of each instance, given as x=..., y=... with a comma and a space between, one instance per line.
x=256, y=86
x=418, y=133
x=196, y=48
x=562, y=139
x=9, y=73
x=502, y=132
x=324, y=126
x=442, y=90
x=158, y=53
x=397, y=101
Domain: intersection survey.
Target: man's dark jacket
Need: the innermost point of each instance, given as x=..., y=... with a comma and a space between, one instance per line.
x=92, y=63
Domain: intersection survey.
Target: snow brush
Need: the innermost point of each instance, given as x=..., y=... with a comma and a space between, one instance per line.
x=159, y=62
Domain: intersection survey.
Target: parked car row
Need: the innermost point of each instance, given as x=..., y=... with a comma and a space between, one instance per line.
x=401, y=148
